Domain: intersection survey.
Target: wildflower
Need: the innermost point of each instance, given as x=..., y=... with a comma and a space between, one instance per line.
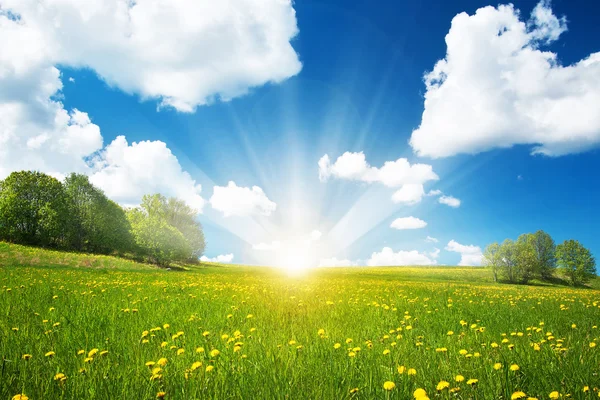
x=104, y=352
x=21, y=396
x=386, y=352
x=209, y=368
x=592, y=345
x=497, y=366
x=150, y=364
x=162, y=362
x=196, y=365
x=352, y=391
x=180, y=351
x=200, y=350
x=80, y=352
x=337, y=346
x=389, y=385
x=554, y=394
x=459, y=378
x=401, y=369
x=26, y=356
x=518, y=395
x=472, y=382
x=161, y=395
x=60, y=377
x=92, y=352
x=412, y=371
x=514, y=367
x=50, y=354
x=214, y=353
x=419, y=393
x=442, y=385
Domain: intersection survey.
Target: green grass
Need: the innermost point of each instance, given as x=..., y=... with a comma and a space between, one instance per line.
x=56, y=305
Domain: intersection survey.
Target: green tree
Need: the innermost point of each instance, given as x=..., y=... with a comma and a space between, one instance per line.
x=98, y=225
x=33, y=210
x=526, y=261
x=545, y=254
x=492, y=258
x=576, y=262
x=509, y=257
x=166, y=230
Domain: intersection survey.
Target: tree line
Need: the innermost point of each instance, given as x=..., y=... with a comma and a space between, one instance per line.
x=536, y=256
x=39, y=210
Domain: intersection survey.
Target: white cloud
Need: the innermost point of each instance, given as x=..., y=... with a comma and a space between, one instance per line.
x=496, y=88
x=408, y=223
x=387, y=257
x=185, y=53
x=394, y=174
x=334, y=262
x=233, y=200
x=275, y=245
x=127, y=172
x=435, y=253
x=222, y=258
x=436, y=192
x=431, y=239
x=470, y=255
x=72, y=80
x=450, y=201
x=409, y=194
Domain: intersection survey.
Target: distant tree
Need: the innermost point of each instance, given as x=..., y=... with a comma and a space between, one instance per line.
x=576, y=262
x=526, y=261
x=492, y=258
x=33, y=210
x=545, y=254
x=166, y=230
x=509, y=256
x=98, y=224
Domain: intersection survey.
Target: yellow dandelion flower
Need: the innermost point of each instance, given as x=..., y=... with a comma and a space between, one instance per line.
x=411, y=371
x=80, y=352
x=209, y=368
x=20, y=396
x=514, y=367
x=162, y=362
x=419, y=393
x=459, y=378
x=472, y=382
x=442, y=385
x=92, y=352
x=161, y=395
x=26, y=356
x=50, y=354
x=386, y=352
x=518, y=395
x=214, y=353
x=497, y=366
x=401, y=369
x=389, y=385
x=352, y=391
x=555, y=394
x=337, y=346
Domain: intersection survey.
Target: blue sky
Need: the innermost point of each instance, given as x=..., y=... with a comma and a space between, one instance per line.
x=322, y=78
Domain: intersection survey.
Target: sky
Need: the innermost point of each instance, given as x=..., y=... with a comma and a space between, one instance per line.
x=318, y=132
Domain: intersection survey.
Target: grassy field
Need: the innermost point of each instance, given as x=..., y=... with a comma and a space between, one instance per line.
x=120, y=330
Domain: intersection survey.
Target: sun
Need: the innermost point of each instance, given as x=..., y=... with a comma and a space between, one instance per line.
x=296, y=258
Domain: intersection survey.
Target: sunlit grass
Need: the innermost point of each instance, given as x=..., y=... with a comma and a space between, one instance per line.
x=321, y=335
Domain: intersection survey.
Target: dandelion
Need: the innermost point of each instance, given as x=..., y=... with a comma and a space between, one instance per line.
x=92, y=352
x=80, y=352
x=386, y=352
x=472, y=382
x=554, y=394
x=162, y=362
x=514, y=367
x=50, y=354
x=419, y=393
x=26, y=356
x=60, y=377
x=518, y=395
x=161, y=395
x=497, y=366
x=442, y=385
x=150, y=363
x=209, y=368
x=337, y=346
x=401, y=369
x=389, y=385
x=214, y=353
x=592, y=345
x=459, y=378
x=352, y=391
x=196, y=365
x=412, y=372
x=20, y=396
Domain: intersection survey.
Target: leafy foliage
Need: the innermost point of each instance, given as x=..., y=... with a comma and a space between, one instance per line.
x=576, y=262
x=36, y=209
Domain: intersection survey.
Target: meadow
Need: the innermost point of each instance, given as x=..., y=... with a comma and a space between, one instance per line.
x=137, y=332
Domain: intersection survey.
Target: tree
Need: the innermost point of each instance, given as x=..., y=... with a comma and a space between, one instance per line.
x=526, y=260
x=508, y=255
x=33, y=210
x=545, y=254
x=492, y=258
x=576, y=262
x=98, y=224
x=166, y=230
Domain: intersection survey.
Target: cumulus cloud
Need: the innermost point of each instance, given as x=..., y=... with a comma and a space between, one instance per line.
x=387, y=257
x=497, y=88
x=334, y=262
x=450, y=201
x=435, y=253
x=470, y=255
x=431, y=239
x=233, y=200
x=315, y=235
x=408, y=223
x=221, y=258
x=127, y=172
x=394, y=174
x=185, y=53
